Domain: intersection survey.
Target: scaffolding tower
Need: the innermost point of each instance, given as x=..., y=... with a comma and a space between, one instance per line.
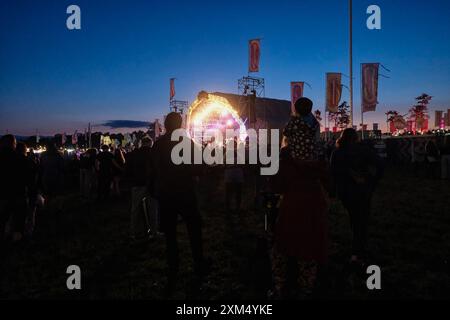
x=178, y=106
x=249, y=89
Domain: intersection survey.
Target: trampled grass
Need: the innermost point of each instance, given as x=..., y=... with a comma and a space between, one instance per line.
x=409, y=240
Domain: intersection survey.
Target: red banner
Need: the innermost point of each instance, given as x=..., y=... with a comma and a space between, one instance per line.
x=296, y=93
x=172, y=88
x=254, y=54
x=409, y=126
x=425, y=125
x=369, y=85
x=75, y=138
x=334, y=90
x=392, y=128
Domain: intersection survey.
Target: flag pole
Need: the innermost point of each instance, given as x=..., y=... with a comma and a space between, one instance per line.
x=89, y=136
x=351, y=59
x=362, y=109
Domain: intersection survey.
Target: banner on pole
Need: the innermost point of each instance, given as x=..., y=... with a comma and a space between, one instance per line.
x=392, y=127
x=75, y=137
x=172, y=88
x=296, y=93
x=334, y=90
x=369, y=86
x=254, y=55
x=63, y=139
x=409, y=125
x=425, y=125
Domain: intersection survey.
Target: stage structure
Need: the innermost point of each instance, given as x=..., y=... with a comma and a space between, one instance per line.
x=249, y=88
x=178, y=106
x=210, y=114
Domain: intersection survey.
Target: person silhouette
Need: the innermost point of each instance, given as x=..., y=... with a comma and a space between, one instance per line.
x=356, y=170
x=13, y=188
x=174, y=189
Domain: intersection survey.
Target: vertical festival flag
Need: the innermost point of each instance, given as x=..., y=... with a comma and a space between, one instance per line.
x=425, y=125
x=296, y=93
x=409, y=125
x=172, y=88
x=63, y=139
x=369, y=86
x=75, y=138
x=437, y=118
x=254, y=54
x=334, y=90
x=392, y=128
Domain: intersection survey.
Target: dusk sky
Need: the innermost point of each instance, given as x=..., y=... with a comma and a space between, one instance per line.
x=117, y=67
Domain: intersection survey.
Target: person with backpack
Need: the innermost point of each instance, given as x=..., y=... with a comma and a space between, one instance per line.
x=143, y=206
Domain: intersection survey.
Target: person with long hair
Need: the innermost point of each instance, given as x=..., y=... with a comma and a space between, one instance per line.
x=356, y=169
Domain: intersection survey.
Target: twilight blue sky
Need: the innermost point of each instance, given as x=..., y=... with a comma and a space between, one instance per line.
x=117, y=67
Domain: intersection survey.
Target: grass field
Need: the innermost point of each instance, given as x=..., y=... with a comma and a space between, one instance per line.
x=409, y=240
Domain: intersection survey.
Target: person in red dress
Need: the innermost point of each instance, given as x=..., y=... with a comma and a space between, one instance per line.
x=301, y=230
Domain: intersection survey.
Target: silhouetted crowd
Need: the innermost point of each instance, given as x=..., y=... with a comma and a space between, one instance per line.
x=310, y=174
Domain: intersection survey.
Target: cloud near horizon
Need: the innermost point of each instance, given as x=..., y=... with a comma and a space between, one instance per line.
x=116, y=124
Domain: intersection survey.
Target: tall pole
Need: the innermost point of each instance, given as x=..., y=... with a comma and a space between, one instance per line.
x=89, y=136
x=351, y=58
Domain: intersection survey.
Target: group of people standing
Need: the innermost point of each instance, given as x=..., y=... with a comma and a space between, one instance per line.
x=172, y=187
x=17, y=187
x=24, y=178
x=307, y=179
x=28, y=180
x=101, y=172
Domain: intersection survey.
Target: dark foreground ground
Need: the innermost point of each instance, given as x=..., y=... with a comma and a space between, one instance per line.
x=410, y=241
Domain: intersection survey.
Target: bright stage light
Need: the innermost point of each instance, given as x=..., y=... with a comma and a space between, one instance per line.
x=211, y=114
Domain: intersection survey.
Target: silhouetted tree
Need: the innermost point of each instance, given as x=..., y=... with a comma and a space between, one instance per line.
x=419, y=112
